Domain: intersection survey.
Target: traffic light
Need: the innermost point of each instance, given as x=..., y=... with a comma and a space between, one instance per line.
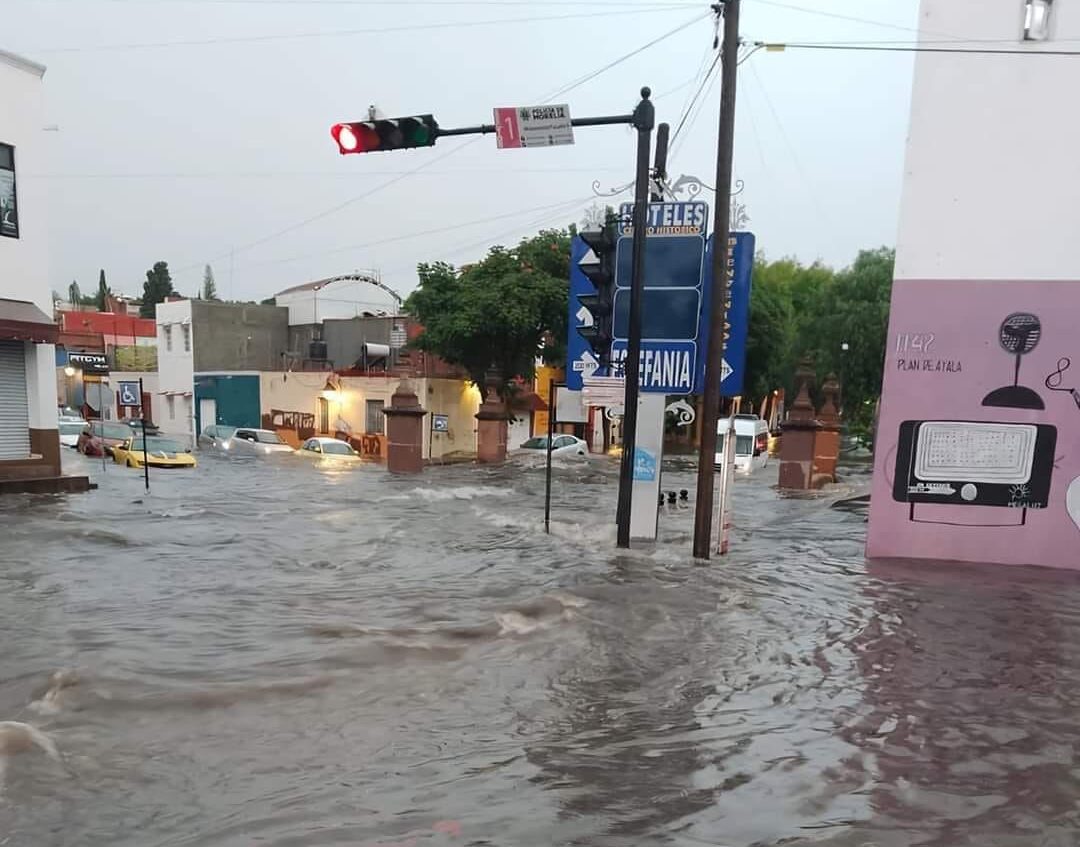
x=385, y=134
x=596, y=327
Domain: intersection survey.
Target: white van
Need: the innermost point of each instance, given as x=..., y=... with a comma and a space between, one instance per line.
x=751, y=442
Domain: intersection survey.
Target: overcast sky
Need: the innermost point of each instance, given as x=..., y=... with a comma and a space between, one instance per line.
x=218, y=151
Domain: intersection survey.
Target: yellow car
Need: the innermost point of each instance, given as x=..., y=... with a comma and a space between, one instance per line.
x=160, y=453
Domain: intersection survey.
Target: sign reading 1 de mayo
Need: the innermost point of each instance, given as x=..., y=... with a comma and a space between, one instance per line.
x=672, y=345
x=533, y=126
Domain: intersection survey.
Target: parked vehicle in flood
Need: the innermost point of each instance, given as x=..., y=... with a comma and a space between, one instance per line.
x=562, y=445
x=216, y=436
x=751, y=442
x=159, y=453
x=71, y=428
x=328, y=449
x=100, y=437
x=256, y=442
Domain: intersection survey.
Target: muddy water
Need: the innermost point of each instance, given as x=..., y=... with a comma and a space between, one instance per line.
x=282, y=654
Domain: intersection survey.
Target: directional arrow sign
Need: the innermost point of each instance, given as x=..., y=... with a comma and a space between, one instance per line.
x=585, y=316
x=587, y=365
x=725, y=370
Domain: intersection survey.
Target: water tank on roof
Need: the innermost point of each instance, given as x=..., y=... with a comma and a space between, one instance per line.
x=317, y=351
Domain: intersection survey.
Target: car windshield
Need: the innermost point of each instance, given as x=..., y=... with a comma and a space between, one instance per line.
x=223, y=431
x=156, y=445
x=116, y=430
x=337, y=448
x=264, y=437
x=539, y=443
x=71, y=427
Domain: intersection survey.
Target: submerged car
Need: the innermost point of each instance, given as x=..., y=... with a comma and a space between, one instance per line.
x=562, y=445
x=255, y=442
x=100, y=437
x=329, y=449
x=159, y=453
x=216, y=436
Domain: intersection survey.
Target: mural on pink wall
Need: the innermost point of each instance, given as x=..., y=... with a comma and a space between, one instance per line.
x=978, y=441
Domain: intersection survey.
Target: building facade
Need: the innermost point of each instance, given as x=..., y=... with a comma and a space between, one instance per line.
x=977, y=455
x=29, y=441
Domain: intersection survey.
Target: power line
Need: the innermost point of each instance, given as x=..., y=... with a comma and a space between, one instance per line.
x=406, y=174
x=254, y=39
x=841, y=17
x=380, y=241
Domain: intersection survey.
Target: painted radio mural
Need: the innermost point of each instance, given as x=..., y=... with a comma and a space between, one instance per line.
x=974, y=436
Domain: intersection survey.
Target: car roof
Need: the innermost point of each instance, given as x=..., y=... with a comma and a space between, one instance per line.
x=325, y=440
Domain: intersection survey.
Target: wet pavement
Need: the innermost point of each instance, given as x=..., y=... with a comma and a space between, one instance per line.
x=282, y=654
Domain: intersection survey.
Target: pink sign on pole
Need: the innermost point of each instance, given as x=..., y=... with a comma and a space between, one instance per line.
x=507, y=128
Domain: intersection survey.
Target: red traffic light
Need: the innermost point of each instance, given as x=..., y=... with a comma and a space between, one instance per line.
x=355, y=137
x=385, y=134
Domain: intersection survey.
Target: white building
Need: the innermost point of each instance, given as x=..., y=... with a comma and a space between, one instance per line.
x=347, y=296
x=977, y=456
x=176, y=370
x=29, y=442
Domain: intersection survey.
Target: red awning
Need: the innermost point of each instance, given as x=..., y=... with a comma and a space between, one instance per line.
x=21, y=320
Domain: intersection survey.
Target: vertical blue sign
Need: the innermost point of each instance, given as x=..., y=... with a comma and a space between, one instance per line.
x=580, y=360
x=740, y=272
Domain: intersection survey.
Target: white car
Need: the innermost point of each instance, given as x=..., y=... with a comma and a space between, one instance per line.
x=562, y=445
x=255, y=442
x=328, y=449
x=71, y=428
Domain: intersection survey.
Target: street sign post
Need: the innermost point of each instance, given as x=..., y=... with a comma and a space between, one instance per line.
x=533, y=126
x=129, y=394
x=740, y=266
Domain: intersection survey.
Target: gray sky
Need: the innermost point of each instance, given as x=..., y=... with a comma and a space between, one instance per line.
x=215, y=152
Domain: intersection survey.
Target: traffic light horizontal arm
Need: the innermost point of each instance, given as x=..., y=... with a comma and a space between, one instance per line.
x=484, y=129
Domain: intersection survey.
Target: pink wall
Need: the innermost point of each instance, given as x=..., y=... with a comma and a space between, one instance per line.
x=1005, y=494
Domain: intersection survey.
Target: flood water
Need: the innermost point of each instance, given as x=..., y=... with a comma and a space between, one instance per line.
x=276, y=653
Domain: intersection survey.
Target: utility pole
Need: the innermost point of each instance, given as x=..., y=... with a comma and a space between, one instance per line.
x=663, y=132
x=729, y=59
x=644, y=120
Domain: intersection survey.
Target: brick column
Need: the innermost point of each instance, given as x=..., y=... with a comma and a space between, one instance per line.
x=404, y=431
x=491, y=425
x=797, y=447
x=827, y=445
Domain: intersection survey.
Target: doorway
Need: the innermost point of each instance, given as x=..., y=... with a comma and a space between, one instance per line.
x=207, y=412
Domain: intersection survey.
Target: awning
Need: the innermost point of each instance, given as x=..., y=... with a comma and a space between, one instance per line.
x=531, y=402
x=21, y=320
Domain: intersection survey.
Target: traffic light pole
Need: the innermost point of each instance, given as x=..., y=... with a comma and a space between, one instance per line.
x=703, y=508
x=644, y=121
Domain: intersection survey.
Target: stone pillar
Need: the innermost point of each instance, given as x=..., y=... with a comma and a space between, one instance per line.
x=799, y=434
x=827, y=444
x=491, y=424
x=404, y=431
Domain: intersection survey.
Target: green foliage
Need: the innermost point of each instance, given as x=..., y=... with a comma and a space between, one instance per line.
x=157, y=287
x=103, y=292
x=209, y=287
x=798, y=310
x=496, y=313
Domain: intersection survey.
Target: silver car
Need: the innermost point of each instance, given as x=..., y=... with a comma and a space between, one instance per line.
x=215, y=437
x=255, y=442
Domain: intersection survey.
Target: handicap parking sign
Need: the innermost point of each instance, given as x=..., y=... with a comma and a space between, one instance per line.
x=129, y=394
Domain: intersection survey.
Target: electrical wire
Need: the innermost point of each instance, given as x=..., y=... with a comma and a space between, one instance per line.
x=320, y=215
x=686, y=112
x=841, y=17
x=255, y=39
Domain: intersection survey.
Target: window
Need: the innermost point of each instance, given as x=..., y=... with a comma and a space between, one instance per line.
x=171, y=401
x=186, y=330
x=1037, y=20
x=166, y=330
x=9, y=209
x=375, y=419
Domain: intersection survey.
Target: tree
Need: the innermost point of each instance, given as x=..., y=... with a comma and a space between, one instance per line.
x=103, y=292
x=74, y=294
x=157, y=287
x=209, y=288
x=496, y=313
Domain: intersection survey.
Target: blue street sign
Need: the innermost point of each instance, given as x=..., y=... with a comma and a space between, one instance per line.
x=672, y=353
x=677, y=295
x=740, y=271
x=580, y=360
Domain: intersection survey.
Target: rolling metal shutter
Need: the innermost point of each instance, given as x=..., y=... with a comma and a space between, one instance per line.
x=14, y=422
